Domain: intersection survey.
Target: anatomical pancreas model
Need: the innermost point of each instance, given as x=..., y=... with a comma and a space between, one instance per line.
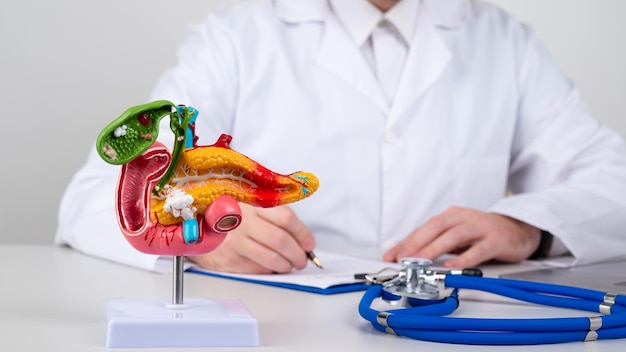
x=184, y=202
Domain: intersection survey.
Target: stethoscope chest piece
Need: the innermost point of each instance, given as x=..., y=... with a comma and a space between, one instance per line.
x=410, y=281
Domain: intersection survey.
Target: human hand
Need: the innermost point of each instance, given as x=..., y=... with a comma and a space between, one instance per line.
x=474, y=235
x=269, y=240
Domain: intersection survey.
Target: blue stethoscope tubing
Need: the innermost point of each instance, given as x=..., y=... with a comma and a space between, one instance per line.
x=425, y=320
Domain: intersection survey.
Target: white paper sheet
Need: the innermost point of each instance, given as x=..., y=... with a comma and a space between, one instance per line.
x=338, y=270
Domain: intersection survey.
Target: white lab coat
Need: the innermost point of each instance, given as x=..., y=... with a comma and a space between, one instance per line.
x=481, y=111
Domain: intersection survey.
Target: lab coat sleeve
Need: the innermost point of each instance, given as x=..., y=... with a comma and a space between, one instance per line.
x=87, y=220
x=205, y=76
x=568, y=171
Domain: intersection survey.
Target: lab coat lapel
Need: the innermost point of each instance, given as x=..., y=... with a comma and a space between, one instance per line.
x=429, y=55
x=427, y=59
x=339, y=55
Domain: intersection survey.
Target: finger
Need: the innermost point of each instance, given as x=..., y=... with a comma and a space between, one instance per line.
x=285, y=218
x=424, y=235
x=475, y=255
x=226, y=259
x=454, y=240
x=282, y=252
x=278, y=230
x=249, y=247
x=270, y=246
x=270, y=258
x=391, y=255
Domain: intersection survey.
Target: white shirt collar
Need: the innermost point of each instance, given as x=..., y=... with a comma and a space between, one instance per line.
x=360, y=17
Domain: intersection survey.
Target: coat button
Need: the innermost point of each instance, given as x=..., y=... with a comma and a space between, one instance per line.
x=391, y=137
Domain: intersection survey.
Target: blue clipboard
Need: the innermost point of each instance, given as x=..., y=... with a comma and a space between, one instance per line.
x=338, y=275
x=340, y=288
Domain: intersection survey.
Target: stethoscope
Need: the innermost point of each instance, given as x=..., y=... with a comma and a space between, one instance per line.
x=418, y=312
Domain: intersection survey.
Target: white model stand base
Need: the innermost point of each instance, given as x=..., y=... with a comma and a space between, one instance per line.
x=199, y=322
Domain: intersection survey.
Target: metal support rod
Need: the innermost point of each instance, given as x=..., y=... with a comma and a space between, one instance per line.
x=177, y=284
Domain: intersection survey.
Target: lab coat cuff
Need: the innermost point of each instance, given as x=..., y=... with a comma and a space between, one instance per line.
x=558, y=248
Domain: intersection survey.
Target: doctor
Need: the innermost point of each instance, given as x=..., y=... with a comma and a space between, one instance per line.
x=434, y=126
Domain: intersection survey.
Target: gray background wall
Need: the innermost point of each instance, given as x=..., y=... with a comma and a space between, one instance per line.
x=68, y=67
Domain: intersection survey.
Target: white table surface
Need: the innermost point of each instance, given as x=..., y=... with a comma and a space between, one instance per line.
x=53, y=299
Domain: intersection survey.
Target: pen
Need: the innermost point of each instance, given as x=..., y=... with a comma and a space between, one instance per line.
x=312, y=257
